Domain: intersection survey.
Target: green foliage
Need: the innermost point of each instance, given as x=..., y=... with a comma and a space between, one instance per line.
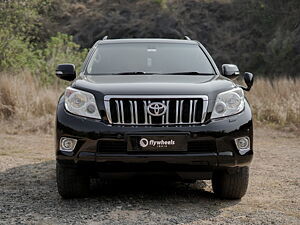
x=21, y=45
x=162, y=3
x=19, y=16
x=17, y=54
x=60, y=49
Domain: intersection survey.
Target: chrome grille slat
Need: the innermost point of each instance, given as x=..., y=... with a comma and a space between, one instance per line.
x=168, y=110
x=132, y=109
x=145, y=112
x=163, y=117
x=176, y=116
x=194, y=111
x=122, y=111
x=118, y=111
x=191, y=111
x=181, y=108
x=150, y=117
x=205, y=105
x=136, y=112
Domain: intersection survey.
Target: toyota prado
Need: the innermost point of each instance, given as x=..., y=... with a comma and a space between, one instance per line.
x=153, y=106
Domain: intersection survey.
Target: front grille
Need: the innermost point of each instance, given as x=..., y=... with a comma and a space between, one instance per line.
x=133, y=110
x=108, y=146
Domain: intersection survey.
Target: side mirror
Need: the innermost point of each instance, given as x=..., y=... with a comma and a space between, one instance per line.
x=230, y=70
x=66, y=72
x=249, y=79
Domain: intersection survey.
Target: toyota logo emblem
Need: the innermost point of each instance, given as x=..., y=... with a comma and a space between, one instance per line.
x=156, y=109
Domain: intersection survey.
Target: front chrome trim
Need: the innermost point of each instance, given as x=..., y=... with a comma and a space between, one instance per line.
x=148, y=118
x=108, y=97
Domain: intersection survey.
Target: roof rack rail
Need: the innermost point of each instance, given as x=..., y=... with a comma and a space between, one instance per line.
x=105, y=37
x=187, y=38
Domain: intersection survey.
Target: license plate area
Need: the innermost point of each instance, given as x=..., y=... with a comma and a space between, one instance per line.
x=157, y=142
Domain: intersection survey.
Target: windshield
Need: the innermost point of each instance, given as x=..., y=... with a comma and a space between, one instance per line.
x=149, y=58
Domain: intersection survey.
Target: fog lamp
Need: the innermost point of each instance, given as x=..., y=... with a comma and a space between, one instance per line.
x=67, y=144
x=242, y=144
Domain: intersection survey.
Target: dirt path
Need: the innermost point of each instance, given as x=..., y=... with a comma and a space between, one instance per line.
x=28, y=191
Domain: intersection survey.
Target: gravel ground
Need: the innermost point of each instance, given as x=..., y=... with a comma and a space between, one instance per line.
x=28, y=190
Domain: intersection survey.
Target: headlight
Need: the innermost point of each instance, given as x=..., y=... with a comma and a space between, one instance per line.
x=81, y=103
x=229, y=103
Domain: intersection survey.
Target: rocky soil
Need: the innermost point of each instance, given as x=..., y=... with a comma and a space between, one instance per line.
x=28, y=190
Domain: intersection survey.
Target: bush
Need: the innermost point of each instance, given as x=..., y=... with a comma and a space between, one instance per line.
x=60, y=49
x=15, y=52
x=22, y=46
x=17, y=55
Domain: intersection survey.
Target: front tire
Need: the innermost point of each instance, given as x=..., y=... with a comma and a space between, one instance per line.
x=70, y=182
x=231, y=184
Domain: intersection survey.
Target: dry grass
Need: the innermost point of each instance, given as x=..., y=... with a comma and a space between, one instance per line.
x=276, y=102
x=26, y=106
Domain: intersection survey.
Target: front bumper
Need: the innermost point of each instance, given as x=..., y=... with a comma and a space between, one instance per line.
x=89, y=132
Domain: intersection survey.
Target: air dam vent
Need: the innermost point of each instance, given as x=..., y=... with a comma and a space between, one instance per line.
x=156, y=110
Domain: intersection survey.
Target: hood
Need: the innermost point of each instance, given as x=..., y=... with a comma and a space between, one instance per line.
x=209, y=85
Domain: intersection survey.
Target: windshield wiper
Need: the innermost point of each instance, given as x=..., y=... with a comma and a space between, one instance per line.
x=189, y=73
x=133, y=73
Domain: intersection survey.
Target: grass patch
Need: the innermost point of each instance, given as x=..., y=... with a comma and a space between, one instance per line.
x=25, y=104
x=276, y=101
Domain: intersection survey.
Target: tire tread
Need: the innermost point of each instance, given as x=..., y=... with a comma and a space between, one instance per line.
x=70, y=183
x=231, y=185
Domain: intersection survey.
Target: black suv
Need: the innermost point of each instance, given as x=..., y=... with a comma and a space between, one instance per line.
x=153, y=106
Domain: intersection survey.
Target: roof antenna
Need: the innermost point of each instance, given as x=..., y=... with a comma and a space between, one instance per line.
x=105, y=37
x=187, y=38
